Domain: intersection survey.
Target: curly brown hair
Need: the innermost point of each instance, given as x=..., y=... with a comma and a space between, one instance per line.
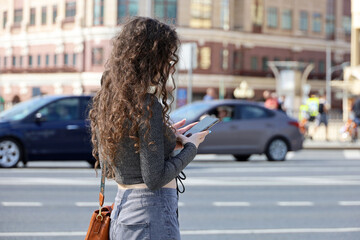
x=143, y=57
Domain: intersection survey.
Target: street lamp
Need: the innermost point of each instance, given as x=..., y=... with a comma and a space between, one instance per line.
x=244, y=91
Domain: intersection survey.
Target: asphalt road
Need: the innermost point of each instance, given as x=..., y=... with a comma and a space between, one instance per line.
x=312, y=195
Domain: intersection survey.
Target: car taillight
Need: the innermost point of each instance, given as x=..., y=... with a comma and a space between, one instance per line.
x=294, y=123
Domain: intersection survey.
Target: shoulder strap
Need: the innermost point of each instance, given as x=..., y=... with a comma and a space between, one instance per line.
x=102, y=184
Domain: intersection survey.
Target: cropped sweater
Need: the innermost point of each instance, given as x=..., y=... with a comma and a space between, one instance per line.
x=154, y=164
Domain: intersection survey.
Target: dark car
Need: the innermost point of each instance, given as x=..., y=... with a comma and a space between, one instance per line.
x=46, y=128
x=246, y=128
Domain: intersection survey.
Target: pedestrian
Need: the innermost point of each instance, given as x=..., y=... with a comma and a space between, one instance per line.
x=313, y=106
x=210, y=94
x=356, y=111
x=321, y=117
x=271, y=102
x=132, y=136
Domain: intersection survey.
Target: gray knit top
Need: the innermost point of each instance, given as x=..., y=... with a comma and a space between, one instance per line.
x=153, y=164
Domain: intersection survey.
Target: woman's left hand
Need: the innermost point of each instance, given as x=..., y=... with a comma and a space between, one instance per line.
x=180, y=131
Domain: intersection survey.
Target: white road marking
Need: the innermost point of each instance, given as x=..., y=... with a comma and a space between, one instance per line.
x=181, y=204
x=91, y=204
x=349, y=203
x=334, y=180
x=22, y=204
x=197, y=232
x=290, y=155
x=268, y=231
x=295, y=204
x=352, y=154
x=231, y=204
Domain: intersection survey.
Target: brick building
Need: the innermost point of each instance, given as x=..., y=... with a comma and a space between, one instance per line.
x=61, y=46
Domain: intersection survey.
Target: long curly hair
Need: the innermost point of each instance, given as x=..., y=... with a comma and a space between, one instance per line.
x=143, y=57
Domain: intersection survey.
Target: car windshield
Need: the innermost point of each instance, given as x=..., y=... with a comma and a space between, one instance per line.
x=188, y=111
x=21, y=110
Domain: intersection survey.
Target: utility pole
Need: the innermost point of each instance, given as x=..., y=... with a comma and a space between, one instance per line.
x=328, y=76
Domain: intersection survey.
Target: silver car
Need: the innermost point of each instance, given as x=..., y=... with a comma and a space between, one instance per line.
x=246, y=128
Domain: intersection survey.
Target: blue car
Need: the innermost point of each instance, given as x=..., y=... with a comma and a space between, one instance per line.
x=46, y=128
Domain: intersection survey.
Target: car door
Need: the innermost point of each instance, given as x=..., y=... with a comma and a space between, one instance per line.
x=253, y=129
x=57, y=132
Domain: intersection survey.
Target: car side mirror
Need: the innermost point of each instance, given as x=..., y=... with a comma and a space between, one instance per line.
x=39, y=117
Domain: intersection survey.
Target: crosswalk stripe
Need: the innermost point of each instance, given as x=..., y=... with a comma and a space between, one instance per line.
x=349, y=203
x=91, y=204
x=352, y=154
x=295, y=204
x=22, y=204
x=231, y=204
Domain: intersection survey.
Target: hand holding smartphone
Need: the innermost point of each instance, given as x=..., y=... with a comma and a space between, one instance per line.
x=205, y=124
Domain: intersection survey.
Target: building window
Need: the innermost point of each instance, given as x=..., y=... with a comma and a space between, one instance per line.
x=21, y=61
x=316, y=27
x=4, y=19
x=55, y=59
x=43, y=15
x=237, y=60
x=201, y=13
x=14, y=61
x=47, y=60
x=97, y=56
x=205, y=57
x=5, y=62
x=346, y=23
x=32, y=16
x=286, y=20
x=39, y=60
x=225, y=59
x=126, y=8
x=254, y=63
x=321, y=66
x=66, y=59
x=166, y=10
x=74, y=59
x=225, y=15
x=265, y=64
x=70, y=10
x=30, y=61
x=18, y=15
x=303, y=21
x=272, y=17
x=330, y=19
x=54, y=16
x=98, y=12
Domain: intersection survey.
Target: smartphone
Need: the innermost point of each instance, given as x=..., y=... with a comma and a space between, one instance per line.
x=203, y=125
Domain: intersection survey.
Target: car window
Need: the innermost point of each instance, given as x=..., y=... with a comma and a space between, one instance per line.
x=85, y=107
x=188, y=111
x=62, y=110
x=225, y=113
x=21, y=110
x=253, y=112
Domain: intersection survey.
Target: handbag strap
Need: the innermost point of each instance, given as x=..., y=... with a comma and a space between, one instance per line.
x=102, y=185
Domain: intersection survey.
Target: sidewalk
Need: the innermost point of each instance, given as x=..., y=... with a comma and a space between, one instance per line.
x=330, y=145
x=336, y=141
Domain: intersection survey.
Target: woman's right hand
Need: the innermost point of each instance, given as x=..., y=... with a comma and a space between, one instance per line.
x=195, y=138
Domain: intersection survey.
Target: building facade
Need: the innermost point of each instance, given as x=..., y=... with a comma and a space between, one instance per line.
x=61, y=46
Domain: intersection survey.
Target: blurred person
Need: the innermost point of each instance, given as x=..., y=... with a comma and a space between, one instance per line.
x=224, y=113
x=64, y=113
x=281, y=103
x=321, y=117
x=266, y=95
x=313, y=107
x=132, y=136
x=210, y=94
x=356, y=111
x=271, y=102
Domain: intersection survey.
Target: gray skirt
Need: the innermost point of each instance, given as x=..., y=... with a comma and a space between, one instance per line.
x=142, y=214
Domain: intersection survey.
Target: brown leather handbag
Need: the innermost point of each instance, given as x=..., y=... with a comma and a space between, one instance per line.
x=100, y=219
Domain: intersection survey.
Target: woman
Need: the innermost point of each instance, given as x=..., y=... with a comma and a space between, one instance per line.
x=132, y=136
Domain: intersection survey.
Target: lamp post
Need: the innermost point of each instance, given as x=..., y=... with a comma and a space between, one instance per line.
x=244, y=91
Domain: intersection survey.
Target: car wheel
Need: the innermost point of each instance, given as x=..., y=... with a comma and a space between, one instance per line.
x=10, y=153
x=241, y=158
x=276, y=150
